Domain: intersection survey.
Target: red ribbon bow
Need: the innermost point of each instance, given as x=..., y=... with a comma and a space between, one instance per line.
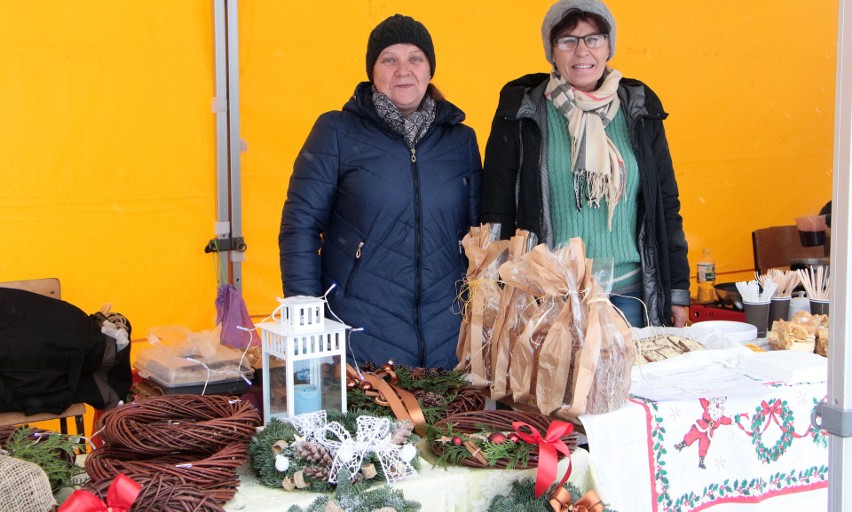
x=548, y=460
x=771, y=411
x=120, y=497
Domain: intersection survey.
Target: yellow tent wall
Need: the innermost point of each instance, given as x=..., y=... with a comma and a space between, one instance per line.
x=107, y=141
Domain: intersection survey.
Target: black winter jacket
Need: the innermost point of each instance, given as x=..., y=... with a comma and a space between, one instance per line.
x=514, y=183
x=383, y=222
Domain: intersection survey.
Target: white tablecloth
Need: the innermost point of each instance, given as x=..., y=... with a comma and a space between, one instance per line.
x=438, y=489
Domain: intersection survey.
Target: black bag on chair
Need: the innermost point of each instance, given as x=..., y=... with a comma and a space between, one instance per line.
x=52, y=354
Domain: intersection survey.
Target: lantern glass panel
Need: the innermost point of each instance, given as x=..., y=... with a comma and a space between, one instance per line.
x=277, y=375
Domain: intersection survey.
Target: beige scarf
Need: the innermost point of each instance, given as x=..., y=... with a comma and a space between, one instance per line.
x=595, y=161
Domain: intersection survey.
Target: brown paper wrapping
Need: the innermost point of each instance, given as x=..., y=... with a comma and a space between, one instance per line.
x=485, y=253
x=600, y=376
x=509, y=323
x=549, y=338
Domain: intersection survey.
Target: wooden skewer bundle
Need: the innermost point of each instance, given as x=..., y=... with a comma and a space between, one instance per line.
x=816, y=282
x=787, y=281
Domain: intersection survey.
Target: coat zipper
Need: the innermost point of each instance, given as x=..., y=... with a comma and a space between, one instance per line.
x=354, y=267
x=418, y=260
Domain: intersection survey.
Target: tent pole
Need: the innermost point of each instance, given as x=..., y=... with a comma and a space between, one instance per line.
x=235, y=144
x=840, y=357
x=229, y=244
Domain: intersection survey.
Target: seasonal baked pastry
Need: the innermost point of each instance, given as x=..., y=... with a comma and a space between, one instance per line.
x=662, y=347
x=804, y=331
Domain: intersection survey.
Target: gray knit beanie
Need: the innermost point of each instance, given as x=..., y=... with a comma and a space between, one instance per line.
x=395, y=30
x=558, y=11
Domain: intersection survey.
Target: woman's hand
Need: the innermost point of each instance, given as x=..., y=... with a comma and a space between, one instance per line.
x=679, y=316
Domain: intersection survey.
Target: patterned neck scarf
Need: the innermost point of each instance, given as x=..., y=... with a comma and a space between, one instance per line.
x=595, y=161
x=413, y=127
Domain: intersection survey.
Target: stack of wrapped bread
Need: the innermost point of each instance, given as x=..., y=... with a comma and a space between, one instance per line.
x=802, y=332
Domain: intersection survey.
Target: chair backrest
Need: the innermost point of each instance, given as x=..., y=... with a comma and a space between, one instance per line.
x=48, y=286
x=778, y=246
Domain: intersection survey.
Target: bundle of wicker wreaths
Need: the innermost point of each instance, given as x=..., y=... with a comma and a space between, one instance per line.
x=487, y=439
x=183, y=449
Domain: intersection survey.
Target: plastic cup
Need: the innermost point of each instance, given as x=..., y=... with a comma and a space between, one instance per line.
x=811, y=230
x=778, y=309
x=757, y=314
x=819, y=306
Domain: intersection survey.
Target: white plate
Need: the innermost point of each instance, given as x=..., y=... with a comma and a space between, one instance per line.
x=740, y=332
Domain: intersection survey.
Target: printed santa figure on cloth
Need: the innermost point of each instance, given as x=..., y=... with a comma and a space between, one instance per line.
x=702, y=431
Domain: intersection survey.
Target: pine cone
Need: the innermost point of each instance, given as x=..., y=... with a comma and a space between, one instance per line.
x=402, y=431
x=435, y=372
x=430, y=399
x=313, y=452
x=368, y=366
x=317, y=472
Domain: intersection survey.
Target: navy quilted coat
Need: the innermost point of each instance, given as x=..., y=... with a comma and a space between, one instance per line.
x=383, y=222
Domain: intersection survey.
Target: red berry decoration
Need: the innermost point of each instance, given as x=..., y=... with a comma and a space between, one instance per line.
x=497, y=438
x=458, y=441
x=514, y=437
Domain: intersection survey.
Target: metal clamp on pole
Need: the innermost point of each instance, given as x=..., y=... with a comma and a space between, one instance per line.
x=226, y=244
x=835, y=421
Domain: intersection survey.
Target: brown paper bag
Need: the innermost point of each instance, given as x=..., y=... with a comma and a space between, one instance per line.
x=510, y=319
x=485, y=252
x=523, y=373
x=600, y=375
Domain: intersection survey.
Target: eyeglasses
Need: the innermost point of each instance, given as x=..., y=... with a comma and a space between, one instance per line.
x=591, y=40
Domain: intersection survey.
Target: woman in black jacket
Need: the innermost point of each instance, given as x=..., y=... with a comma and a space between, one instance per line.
x=381, y=195
x=581, y=152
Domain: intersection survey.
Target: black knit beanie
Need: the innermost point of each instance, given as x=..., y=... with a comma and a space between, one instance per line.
x=395, y=30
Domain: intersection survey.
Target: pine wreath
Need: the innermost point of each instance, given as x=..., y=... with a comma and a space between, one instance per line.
x=308, y=463
x=522, y=497
x=439, y=392
x=353, y=497
x=762, y=413
x=54, y=453
x=486, y=439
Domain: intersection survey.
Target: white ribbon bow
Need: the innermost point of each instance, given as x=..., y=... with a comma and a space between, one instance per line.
x=373, y=435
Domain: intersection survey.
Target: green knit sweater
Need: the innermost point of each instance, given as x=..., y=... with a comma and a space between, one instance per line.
x=590, y=224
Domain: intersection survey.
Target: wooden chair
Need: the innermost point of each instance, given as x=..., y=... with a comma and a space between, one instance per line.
x=49, y=287
x=778, y=246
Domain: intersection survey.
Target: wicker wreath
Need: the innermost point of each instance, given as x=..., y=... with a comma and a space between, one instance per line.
x=215, y=475
x=496, y=421
x=159, y=492
x=160, y=425
x=179, y=445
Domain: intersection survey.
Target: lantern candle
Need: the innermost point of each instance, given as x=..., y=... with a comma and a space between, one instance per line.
x=307, y=398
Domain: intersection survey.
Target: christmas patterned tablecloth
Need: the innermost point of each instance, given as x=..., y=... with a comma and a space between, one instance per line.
x=725, y=451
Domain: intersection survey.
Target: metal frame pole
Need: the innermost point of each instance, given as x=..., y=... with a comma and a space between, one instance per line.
x=840, y=357
x=226, y=106
x=234, y=142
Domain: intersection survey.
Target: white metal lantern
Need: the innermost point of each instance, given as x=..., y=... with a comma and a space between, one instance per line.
x=304, y=359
